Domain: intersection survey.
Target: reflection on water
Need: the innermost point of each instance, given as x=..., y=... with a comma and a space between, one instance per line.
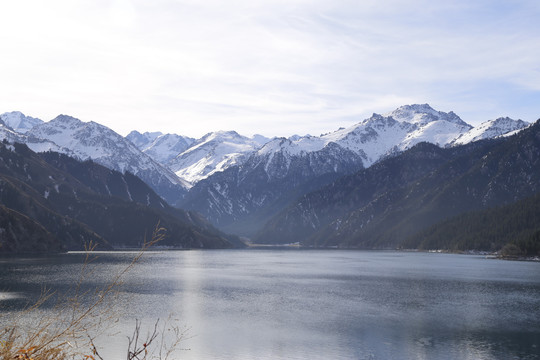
x=300, y=304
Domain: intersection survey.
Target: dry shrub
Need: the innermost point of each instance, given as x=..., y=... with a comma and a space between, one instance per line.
x=70, y=329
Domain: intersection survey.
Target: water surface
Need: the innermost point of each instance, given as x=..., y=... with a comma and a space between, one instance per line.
x=309, y=304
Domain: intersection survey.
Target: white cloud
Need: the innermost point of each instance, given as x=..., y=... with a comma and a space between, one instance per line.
x=276, y=67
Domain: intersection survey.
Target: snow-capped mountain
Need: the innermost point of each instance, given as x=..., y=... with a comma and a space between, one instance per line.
x=381, y=135
x=296, y=137
x=163, y=148
x=423, y=114
x=371, y=139
x=405, y=196
x=213, y=153
x=19, y=122
x=166, y=147
x=243, y=197
x=142, y=140
x=8, y=134
x=491, y=129
x=250, y=193
x=38, y=145
x=239, y=182
x=90, y=140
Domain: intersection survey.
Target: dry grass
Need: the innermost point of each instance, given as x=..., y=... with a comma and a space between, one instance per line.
x=77, y=319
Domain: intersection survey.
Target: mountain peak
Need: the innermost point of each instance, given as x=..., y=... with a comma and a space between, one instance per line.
x=260, y=139
x=214, y=152
x=64, y=122
x=507, y=120
x=422, y=114
x=90, y=140
x=221, y=134
x=66, y=118
x=19, y=122
x=166, y=147
x=502, y=126
x=417, y=107
x=143, y=140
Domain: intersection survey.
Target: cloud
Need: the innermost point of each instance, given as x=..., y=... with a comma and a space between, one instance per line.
x=282, y=66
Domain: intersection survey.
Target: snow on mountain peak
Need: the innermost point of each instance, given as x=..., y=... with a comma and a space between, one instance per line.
x=65, y=121
x=212, y=153
x=90, y=140
x=490, y=129
x=185, y=161
x=378, y=135
x=8, y=134
x=222, y=135
x=422, y=114
x=142, y=140
x=19, y=122
x=166, y=147
x=294, y=137
x=507, y=124
x=260, y=139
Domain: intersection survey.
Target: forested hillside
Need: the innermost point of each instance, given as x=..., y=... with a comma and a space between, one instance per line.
x=52, y=202
x=512, y=229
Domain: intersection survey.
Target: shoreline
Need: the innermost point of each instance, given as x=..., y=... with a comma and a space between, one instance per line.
x=293, y=246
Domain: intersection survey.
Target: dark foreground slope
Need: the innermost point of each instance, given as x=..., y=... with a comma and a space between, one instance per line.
x=394, y=200
x=65, y=204
x=512, y=229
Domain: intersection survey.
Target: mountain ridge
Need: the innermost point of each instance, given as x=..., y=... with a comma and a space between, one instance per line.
x=90, y=140
x=355, y=213
x=239, y=183
x=225, y=197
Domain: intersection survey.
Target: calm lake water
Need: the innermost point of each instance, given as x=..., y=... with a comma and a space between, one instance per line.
x=309, y=304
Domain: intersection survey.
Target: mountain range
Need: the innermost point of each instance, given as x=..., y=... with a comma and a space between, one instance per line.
x=402, y=201
x=248, y=185
x=243, y=197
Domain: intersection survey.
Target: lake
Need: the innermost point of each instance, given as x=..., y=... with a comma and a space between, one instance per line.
x=307, y=304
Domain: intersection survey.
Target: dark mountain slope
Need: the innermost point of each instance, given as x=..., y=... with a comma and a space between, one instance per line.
x=97, y=204
x=244, y=197
x=495, y=174
x=128, y=187
x=25, y=185
x=514, y=227
x=314, y=211
x=106, y=182
x=475, y=177
x=19, y=233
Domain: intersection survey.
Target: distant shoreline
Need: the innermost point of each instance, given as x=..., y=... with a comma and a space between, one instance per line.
x=293, y=246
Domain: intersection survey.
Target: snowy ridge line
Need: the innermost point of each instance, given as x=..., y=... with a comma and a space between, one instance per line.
x=182, y=161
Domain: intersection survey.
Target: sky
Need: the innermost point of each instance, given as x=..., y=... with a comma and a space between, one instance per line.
x=270, y=67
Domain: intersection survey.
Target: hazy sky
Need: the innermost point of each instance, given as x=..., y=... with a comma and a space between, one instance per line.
x=275, y=67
